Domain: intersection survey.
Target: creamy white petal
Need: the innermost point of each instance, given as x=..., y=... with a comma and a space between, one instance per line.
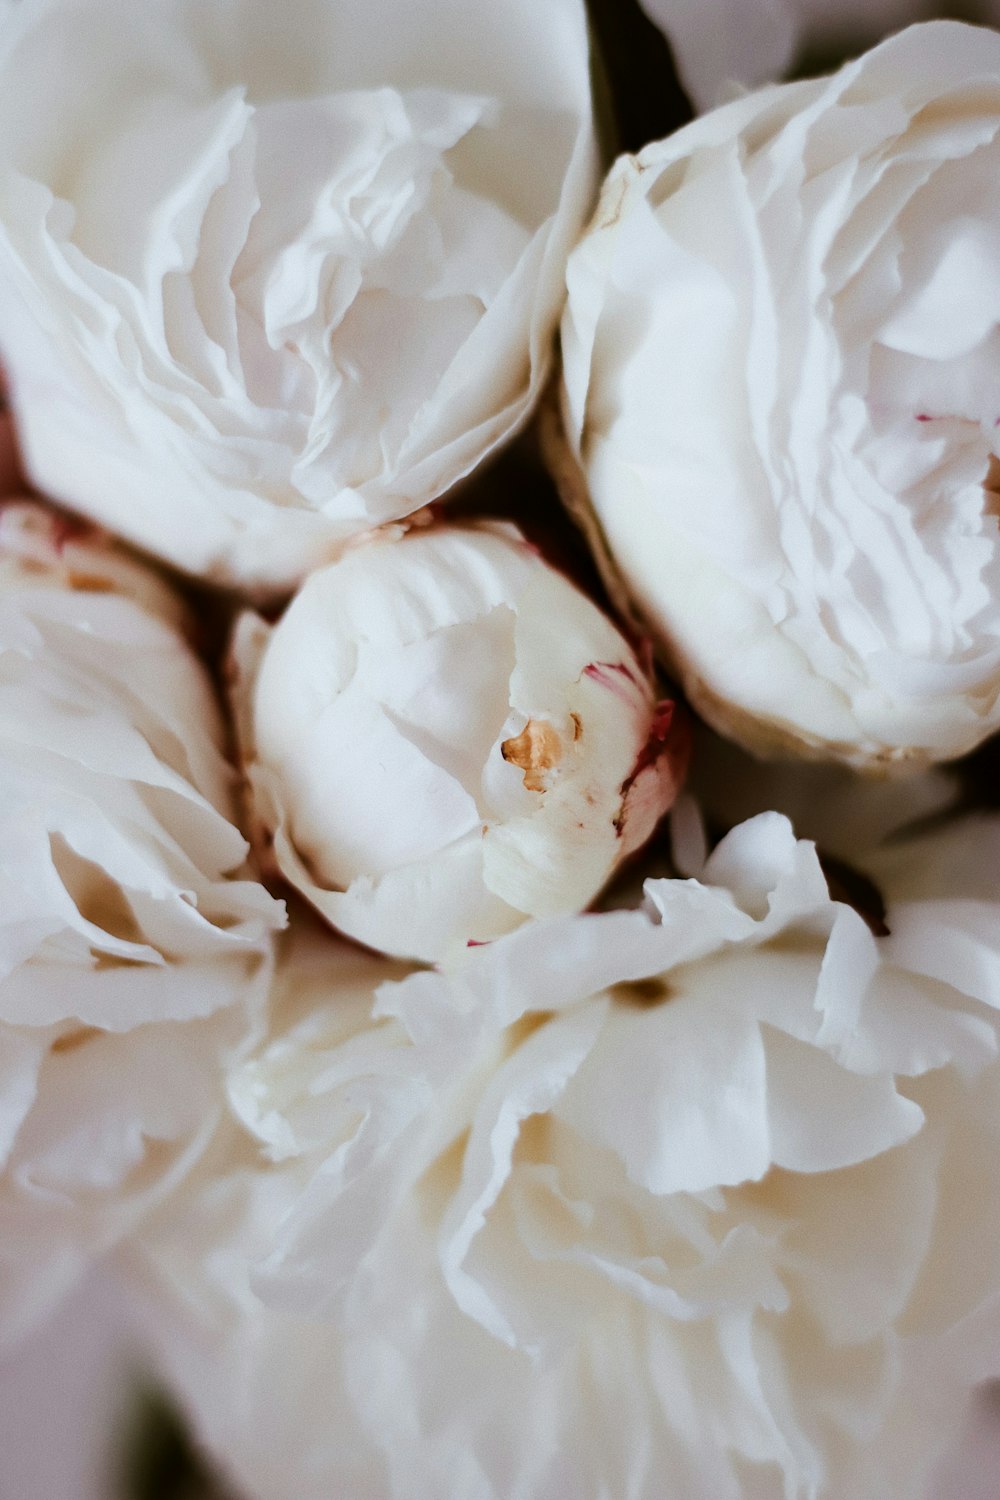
x=134, y=947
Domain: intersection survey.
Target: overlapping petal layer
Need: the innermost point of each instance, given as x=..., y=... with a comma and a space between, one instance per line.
x=266, y=282
x=780, y=357
x=134, y=954
x=444, y=736
x=698, y=1196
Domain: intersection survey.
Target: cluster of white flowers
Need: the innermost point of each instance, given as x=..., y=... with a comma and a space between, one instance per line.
x=627, y=1163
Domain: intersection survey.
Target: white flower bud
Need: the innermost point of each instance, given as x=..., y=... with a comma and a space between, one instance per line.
x=266, y=283
x=132, y=962
x=444, y=736
x=781, y=376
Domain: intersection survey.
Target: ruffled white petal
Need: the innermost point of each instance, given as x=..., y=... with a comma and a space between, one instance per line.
x=704, y=1189
x=780, y=383
x=334, y=291
x=134, y=952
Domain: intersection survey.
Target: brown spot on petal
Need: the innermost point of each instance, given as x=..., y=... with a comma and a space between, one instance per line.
x=643, y=993
x=89, y=583
x=76, y=1038
x=536, y=751
x=991, y=487
x=11, y=478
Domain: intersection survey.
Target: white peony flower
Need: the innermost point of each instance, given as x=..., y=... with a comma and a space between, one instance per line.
x=132, y=963
x=444, y=736
x=782, y=381
x=723, y=43
x=699, y=1199
x=268, y=280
